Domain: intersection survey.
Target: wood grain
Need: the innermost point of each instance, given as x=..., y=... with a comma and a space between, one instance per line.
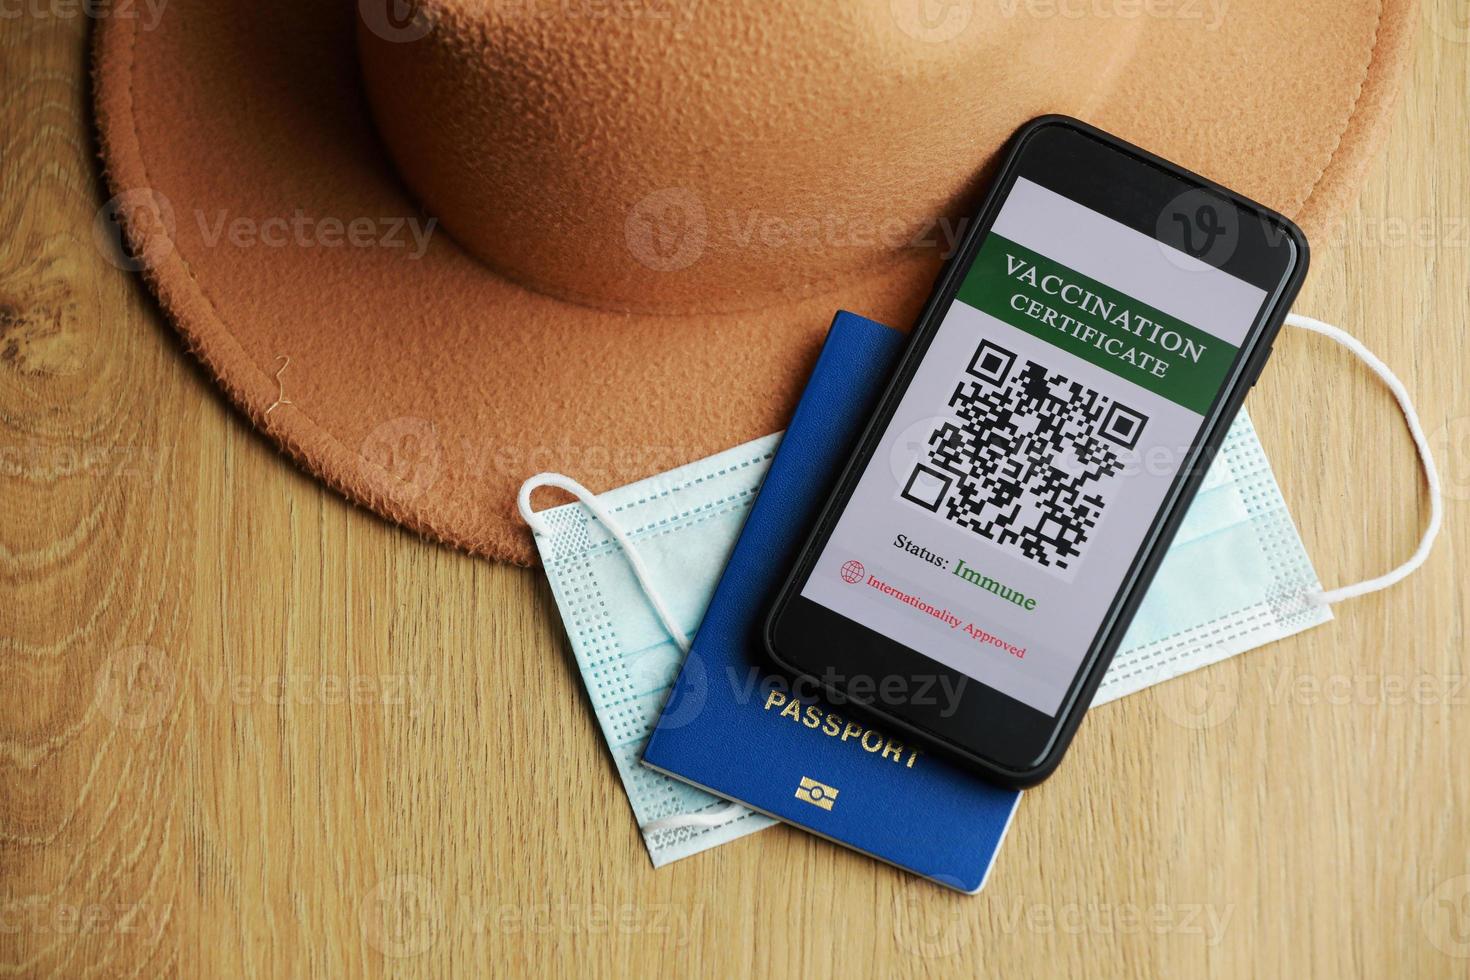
x=247, y=728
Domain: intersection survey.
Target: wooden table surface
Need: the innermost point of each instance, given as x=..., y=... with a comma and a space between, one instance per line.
x=249, y=728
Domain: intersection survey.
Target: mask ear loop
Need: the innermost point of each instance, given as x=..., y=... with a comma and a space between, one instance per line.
x=719, y=816
x=1426, y=460
x=590, y=501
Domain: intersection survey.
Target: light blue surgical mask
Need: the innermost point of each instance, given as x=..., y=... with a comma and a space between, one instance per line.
x=633, y=569
x=682, y=525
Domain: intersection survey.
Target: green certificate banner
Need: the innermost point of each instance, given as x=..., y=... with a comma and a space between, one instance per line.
x=1098, y=323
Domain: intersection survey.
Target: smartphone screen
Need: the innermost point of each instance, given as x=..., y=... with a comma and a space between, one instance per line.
x=1003, y=506
x=1034, y=446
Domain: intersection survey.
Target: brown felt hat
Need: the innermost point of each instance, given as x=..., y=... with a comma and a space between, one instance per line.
x=431, y=249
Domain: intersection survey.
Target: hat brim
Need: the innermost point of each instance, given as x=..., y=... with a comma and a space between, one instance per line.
x=420, y=384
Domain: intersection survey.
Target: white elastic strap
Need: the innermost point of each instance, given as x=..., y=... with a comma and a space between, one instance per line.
x=718, y=816
x=590, y=501
x=1426, y=459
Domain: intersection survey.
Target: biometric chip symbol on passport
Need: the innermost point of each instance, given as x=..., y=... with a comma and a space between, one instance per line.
x=815, y=793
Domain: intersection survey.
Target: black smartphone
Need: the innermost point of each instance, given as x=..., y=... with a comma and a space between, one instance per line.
x=1062, y=395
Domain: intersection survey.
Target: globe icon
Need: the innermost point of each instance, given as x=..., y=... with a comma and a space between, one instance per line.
x=852, y=571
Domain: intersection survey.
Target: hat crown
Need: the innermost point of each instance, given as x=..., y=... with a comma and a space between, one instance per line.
x=647, y=155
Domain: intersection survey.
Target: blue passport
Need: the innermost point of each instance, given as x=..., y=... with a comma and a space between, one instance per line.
x=735, y=728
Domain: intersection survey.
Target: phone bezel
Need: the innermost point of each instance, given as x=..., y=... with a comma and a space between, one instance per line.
x=1007, y=740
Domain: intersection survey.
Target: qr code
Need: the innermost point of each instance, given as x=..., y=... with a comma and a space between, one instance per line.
x=1029, y=458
